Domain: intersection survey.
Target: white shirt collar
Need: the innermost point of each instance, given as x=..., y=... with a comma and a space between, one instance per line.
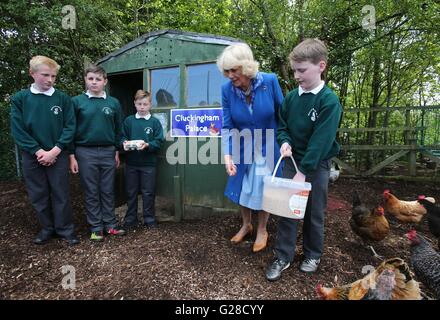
x=91, y=95
x=35, y=90
x=314, y=91
x=146, y=117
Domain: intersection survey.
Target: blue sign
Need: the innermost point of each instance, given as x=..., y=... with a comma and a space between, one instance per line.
x=196, y=122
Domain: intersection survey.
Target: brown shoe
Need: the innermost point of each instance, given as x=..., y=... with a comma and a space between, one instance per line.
x=239, y=237
x=258, y=246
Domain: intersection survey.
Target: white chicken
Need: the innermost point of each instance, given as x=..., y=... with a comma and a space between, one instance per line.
x=334, y=172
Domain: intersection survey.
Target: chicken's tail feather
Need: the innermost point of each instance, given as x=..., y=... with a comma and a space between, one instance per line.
x=356, y=199
x=430, y=199
x=336, y=293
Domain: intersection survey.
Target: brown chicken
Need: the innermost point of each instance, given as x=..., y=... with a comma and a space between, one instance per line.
x=378, y=284
x=404, y=211
x=370, y=225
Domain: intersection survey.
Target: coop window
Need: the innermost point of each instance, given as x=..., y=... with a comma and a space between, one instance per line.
x=165, y=87
x=204, y=85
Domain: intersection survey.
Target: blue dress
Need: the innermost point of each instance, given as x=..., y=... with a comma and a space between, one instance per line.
x=252, y=144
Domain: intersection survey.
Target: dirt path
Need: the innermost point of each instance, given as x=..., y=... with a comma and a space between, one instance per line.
x=189, y=260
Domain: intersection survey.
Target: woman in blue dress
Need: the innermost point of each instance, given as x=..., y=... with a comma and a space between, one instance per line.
x=251, y=101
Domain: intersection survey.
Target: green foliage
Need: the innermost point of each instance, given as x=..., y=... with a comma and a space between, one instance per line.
x=205, y=16
x=7, y=155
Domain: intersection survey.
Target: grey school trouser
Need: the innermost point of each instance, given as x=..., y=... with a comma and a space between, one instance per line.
x=97, y=168
x=313, y=228
x=48, y=191
x=140, y=179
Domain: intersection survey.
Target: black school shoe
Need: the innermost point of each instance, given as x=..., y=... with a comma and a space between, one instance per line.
x=151, y=225
x=130, y=227
x=42, y=238
x=72, y=240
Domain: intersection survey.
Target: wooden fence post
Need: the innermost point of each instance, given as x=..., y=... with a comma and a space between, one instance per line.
x=412, y=157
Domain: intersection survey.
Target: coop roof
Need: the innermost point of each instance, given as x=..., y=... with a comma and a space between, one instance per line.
x=173, y=34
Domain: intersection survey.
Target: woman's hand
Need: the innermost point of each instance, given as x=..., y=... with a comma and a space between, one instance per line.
x=286, y=150
x=231, y=168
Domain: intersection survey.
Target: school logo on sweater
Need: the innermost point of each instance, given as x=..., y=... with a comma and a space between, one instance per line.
x=148, y=130
x=313, y=114
x=107, y=110
x=56, y=110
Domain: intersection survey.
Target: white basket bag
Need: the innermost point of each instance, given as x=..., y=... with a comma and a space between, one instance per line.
x=284, y=197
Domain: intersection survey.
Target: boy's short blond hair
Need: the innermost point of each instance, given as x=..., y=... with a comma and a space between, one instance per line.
x=141, y=94
x=313, y=50
x=95, y=69
x=238, y=55
x=37, y=61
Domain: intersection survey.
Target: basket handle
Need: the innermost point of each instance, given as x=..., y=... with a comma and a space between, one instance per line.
x=278, y=164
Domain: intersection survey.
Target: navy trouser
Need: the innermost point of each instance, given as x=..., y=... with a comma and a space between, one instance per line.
x=97, y=168
x=48, y=190
x=313, y=228
x=141, y=179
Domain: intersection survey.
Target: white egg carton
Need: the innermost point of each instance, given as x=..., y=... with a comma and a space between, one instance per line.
x=134, y=144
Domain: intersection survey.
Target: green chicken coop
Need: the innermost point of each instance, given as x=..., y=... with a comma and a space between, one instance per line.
x=179, y=70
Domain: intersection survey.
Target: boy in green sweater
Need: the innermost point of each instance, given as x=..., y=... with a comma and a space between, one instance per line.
x=43, y=124
x=94, y=153
x=309, y=120
x=140, y=166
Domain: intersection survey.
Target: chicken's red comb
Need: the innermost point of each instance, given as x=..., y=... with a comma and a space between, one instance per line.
x=411, y=234
x=318, y=290
x=421, y=197
x=386, y=191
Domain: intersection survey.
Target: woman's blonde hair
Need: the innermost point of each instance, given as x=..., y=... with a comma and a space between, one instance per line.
x=141, y=94
x=37, y=61
x=238, y=55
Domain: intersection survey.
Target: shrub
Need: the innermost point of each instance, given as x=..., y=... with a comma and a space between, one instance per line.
x=7, y=146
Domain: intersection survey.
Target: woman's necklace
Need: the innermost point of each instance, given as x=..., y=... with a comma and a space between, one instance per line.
x=247, y=94
x=248, y=91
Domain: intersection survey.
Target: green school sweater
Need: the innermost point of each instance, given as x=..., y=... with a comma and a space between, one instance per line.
x=309, y=123
x=98, y=121
x=42, y=122
x=141, y=129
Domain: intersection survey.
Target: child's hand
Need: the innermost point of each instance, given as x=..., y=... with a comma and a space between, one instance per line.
x=144, y=145
x=286, y=150
x=73, y=164
x=48, y=158
x=118, y=162
x=41, y=154
x=124, y=144
x=231, y=168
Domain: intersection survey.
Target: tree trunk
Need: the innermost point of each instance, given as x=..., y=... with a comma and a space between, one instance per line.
x=372, y=119
x=390, y=70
